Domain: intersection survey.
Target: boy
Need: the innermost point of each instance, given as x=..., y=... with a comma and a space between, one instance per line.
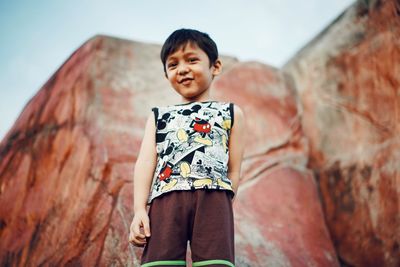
x=189, y=161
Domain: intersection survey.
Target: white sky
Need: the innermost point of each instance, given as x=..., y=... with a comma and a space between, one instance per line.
x=38, y=36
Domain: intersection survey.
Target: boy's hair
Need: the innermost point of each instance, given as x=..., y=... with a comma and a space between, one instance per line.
x=182, y=37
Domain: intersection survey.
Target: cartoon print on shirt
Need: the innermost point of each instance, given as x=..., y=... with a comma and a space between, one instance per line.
x=199, y=124
x=192, y=147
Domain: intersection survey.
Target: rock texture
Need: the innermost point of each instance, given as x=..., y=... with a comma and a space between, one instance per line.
x=348, y=79
x=66, y=166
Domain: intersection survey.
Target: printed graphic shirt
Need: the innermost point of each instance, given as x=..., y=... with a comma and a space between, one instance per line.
x=192, y=147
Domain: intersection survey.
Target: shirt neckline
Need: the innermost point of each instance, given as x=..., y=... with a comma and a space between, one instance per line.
x=182, y=104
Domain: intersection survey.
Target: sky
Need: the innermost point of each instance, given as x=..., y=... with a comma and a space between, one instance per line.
x=38, y=36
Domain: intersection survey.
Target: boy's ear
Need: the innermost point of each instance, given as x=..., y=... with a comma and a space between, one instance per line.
x=217, y=67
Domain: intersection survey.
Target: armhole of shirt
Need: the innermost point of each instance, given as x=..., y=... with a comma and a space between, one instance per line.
x=155, y=111
x=232, y=113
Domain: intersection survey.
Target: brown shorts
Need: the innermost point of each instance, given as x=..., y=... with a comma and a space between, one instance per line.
x=204, y=217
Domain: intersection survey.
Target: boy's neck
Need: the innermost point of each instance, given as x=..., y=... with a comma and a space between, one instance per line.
x=205, y=98
x=185, y=101
x=202, y=97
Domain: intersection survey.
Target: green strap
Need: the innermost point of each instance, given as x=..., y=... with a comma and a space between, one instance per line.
x=205, y=263
x=158, y=263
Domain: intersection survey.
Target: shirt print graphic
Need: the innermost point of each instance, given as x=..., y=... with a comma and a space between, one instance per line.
x=192, y=147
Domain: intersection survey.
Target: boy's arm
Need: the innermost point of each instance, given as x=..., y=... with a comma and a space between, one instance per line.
x=145, y=165
x=236, y=147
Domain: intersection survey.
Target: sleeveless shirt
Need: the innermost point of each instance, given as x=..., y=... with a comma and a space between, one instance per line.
x=192, y=143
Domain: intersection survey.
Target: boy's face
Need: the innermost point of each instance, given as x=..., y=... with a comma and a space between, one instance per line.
x=189, y=72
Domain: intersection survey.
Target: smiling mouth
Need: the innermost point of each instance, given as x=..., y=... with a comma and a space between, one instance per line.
x=186, y=80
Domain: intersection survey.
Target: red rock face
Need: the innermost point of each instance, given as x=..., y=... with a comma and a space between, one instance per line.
x=348, y=80
x=279, y=221
x=67, y=164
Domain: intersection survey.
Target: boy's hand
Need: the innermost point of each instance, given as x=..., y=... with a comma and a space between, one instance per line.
x=140, y=220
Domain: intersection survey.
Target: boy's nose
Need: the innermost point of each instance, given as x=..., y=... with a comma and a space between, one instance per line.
x=183, y=70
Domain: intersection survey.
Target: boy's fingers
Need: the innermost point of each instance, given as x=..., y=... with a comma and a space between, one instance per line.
x=136, y=231
x=133, y=236
x=137, y=242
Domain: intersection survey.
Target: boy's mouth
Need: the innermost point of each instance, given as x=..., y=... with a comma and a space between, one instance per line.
x=185, y=80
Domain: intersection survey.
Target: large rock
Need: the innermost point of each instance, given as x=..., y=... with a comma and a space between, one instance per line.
x=67, y=162
x=348, y=79
x=66, y=166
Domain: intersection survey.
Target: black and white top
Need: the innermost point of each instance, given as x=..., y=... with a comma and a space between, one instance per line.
x=192, y=147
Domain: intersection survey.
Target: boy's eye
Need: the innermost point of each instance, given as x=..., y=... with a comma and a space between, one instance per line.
x=170, y=65
x=193, y=59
